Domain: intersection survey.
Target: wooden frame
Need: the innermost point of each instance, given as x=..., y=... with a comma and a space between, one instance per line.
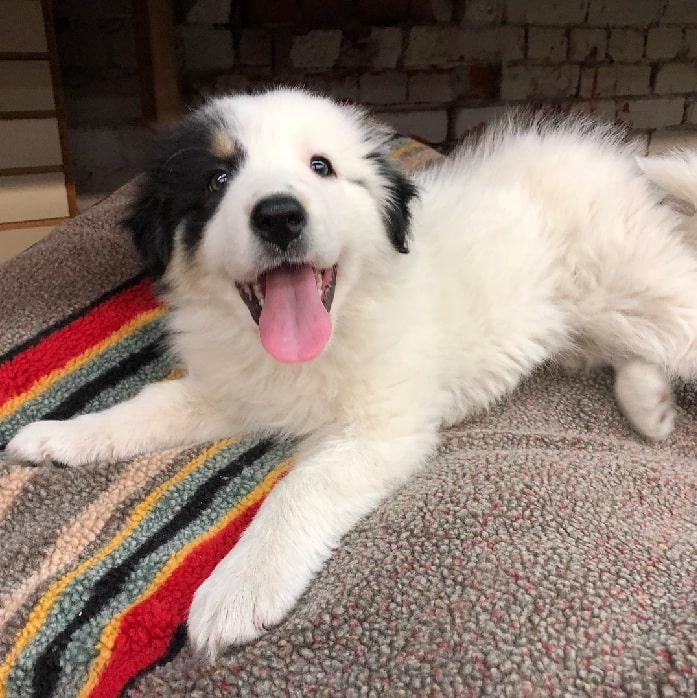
x=57, y=114
x=157, y=65
x=60, y=105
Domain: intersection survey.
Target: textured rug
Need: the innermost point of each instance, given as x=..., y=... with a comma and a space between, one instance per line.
x=544, y=551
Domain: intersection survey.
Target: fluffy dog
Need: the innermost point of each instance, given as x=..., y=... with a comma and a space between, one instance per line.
x=317, y=292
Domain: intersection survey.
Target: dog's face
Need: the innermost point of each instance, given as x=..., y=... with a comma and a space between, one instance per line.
x=285, y=196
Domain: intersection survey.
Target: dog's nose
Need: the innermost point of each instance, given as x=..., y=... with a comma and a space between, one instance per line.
x=278, y=219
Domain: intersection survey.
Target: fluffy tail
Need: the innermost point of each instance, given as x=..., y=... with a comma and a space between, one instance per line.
x=675, y=173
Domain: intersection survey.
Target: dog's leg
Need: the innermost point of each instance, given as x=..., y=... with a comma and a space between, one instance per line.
x=332, y=486
x=640, y=315
x=163, y=415
x=645, y=395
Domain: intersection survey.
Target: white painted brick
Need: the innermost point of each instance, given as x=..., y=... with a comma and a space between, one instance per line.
x=343, y=88
x=626, y=45
x=670, y=139
x=383, y=88
x=587, y=44
x=385, y=46
x=522, y=82
x=430, y=87
x=209, y=12
x=601, y=109
x=652, y=113
x=547, y=44
x=615, y=80
x=624, y=13
x=430, y=125
x=641, y=143
x=430, y=45
x=691, y=114
x=255, y=47
x=442, y=10
x=443, y=45
x=512, y=42
x=549, y=12
x=206, y=48
x=691, y=41
x=680, y=12
x=663, y=42
x=317, y=49
x=233, y=82
x=479, y=13
x=474, y=118
x=676, y=77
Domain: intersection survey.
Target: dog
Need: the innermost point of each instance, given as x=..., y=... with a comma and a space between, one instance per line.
x=318, y=292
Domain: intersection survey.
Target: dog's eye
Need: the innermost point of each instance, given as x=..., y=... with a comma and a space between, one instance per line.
x=321, y=166
x=217, y=181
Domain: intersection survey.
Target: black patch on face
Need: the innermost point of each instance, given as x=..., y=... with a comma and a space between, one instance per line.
x=176, y=191
x=400, y=191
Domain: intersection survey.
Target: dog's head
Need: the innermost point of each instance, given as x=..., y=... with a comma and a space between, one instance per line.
x=285, y=196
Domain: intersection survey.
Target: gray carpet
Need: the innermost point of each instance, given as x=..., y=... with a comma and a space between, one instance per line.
x=544, y=551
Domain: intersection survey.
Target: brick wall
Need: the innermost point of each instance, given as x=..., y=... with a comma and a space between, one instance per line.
x=440, y=68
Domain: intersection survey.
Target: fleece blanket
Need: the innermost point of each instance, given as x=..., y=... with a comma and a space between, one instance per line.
x=545, y=550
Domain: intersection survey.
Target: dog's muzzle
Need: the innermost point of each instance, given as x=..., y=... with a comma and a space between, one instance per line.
x=278, y=219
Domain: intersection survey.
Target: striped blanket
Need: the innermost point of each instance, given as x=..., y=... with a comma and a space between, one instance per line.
x=103, y=594
x=98, y=619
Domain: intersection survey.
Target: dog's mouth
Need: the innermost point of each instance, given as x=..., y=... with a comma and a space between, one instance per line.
x=291, y=305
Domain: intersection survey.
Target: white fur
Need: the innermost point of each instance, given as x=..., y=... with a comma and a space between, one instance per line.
x=541, y=241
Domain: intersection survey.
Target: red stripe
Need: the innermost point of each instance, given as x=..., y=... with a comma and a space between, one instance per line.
x=54, y=352
x=146, y=629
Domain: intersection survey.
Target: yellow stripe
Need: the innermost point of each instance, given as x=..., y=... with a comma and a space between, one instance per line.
x=76, y=362
x=39, y=613
x=398, y=152
x=112, y=629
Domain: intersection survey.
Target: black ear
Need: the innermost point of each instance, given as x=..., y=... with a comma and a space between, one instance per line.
x=172, y=189
x=151, y=225
x=399, y=192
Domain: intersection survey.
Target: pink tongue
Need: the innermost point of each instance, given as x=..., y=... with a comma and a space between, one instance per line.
x=294, y=324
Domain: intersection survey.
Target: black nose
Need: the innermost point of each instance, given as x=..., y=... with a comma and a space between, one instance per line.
x=278, y=219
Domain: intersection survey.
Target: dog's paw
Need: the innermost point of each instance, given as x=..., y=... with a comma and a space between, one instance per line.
x=239, y=602
x=645, y=396
x=69, y=443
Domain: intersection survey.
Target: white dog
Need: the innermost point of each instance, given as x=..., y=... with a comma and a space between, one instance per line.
x=280, y=228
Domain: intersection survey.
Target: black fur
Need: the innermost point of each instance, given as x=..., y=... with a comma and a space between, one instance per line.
x=175, y=190
x=400, y=192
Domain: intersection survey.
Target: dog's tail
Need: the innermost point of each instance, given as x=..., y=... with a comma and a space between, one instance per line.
x=675, y=173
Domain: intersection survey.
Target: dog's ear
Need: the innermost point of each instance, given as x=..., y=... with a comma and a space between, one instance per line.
x=150, y=218
x=150, y=223
x=399, y=193
x=170, y=189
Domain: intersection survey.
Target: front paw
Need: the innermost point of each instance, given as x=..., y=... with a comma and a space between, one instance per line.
x=69, y=443
x=238, y=603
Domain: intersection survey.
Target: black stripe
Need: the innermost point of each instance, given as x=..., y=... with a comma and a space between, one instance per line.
x=176, y=645
x=84, y=393
x=7, y=356
x=47, y=669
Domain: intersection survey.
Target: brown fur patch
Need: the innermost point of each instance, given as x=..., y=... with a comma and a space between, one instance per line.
x=223, y=145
